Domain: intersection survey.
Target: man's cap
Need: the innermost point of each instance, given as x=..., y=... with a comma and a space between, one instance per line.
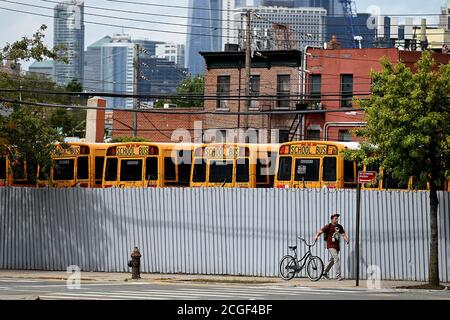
x=334, y=215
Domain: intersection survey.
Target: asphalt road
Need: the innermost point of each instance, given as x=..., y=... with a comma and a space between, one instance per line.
x=58, y=290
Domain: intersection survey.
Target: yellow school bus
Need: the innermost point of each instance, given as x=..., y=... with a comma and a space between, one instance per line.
x=235, y=165
x=75, y=164
x=315, y=164
x=12, y=173
x=147, y=164
x=385, y=181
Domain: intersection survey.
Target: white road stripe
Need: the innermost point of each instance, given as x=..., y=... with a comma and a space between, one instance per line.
x=101, y=295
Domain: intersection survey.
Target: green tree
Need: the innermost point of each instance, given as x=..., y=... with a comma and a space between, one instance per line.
x=408, y=120
x=25, y=127
x=190, y=86
x=74, y=86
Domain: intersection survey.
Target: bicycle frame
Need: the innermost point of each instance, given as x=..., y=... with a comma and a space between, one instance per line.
x=301, y=262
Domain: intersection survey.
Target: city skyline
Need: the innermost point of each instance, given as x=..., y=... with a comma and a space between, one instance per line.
x=15, y=25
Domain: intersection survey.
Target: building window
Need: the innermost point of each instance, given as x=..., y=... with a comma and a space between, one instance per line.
x=345, y=135
x=223, y=92
x=315, y=83
x=283, y=91
x=283, y=136
x=313, y=135
x=346, y=90
x=254, y=91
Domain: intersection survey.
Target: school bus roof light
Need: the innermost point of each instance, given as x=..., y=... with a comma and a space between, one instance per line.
x=111, y=151
x=284, y=150
x=331, y=150
x=199, y=152
x=84, y=150
x=244, y=152
x=153, y=151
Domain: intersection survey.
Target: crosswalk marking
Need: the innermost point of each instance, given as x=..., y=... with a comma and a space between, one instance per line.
x=184, y=293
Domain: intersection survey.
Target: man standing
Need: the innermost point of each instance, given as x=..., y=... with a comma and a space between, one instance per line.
x=333, y=231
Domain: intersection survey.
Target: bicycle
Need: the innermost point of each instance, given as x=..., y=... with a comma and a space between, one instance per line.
x=290, y=265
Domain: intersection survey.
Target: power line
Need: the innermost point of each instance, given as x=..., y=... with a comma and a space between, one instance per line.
x=145, y=29
x=190, y=112
x=168, y=6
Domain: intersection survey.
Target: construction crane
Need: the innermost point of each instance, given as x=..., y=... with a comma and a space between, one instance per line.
x=349, y=8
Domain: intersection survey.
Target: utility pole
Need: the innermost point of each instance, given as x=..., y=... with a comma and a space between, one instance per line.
x=248, y=57
x=135, y=87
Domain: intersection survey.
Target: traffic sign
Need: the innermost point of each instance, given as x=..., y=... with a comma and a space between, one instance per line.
x=366, y=176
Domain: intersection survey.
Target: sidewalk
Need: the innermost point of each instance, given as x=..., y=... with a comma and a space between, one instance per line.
x=199, y=279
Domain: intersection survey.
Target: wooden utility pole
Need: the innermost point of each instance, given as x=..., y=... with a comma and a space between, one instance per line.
x=135, y=87
x=248, y=57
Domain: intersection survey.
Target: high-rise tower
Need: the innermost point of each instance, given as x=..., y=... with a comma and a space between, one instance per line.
x=69, y=32
x=204, y=32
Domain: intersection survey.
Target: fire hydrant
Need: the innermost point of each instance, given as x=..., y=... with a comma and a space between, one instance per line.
x=135, y=263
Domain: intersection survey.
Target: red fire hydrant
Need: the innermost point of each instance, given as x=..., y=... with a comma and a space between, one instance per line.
x=135, y=263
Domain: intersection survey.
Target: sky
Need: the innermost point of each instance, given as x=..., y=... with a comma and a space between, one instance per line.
x=14, y=25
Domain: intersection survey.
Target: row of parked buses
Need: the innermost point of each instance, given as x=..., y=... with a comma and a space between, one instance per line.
x=300, y=164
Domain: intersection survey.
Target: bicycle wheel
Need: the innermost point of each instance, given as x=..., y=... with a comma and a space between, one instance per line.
x=288, y=267
x=314, y=268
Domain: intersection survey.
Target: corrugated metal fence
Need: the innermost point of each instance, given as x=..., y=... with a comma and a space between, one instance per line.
x=214, y=231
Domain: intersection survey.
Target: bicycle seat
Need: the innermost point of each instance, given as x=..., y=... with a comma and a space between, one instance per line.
x=292, y=247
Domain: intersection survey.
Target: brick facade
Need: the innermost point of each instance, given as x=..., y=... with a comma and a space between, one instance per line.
x=331, y=65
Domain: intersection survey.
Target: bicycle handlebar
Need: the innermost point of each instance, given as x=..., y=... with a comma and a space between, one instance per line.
x=309, y=245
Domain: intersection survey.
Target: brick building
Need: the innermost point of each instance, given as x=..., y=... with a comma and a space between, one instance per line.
x=158, y=127
x=275, y=84
x=329, y=79
x=335, y=77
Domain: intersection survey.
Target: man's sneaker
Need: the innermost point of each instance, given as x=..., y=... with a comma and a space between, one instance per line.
x=325, y=276
x=339, y=278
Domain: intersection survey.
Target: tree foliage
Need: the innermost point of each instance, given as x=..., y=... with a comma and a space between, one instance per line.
x=189, y=86
x=31, y=48
x=30, y=130
x=408, y=122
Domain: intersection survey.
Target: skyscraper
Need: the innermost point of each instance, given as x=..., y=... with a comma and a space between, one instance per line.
x=92, y=65
x=118, y=70
x=204, y=32
x=69, y=32
x=333, y=7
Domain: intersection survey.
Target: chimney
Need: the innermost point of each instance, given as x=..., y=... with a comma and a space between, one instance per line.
x=423, y=35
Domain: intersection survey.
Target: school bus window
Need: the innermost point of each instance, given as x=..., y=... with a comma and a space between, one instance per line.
x=169, y=169
x=111, y=169
x=262, y=170
x=63, y=169
x=19, y=171
x=151, y=168
x=2, y=167
x=420, y=185
x=99, y=167
x=349, y=171
x=130, y=170
x=184, y=172
x=285, y=168
x=329, y=169
x=307, y=169
x=221, y=171
x=242, y=168
x=199, y=171
x=82, y=168
x=391, y=183
x=44, y=171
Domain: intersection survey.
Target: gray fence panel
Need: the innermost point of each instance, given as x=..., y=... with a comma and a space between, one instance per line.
x=215, y=231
